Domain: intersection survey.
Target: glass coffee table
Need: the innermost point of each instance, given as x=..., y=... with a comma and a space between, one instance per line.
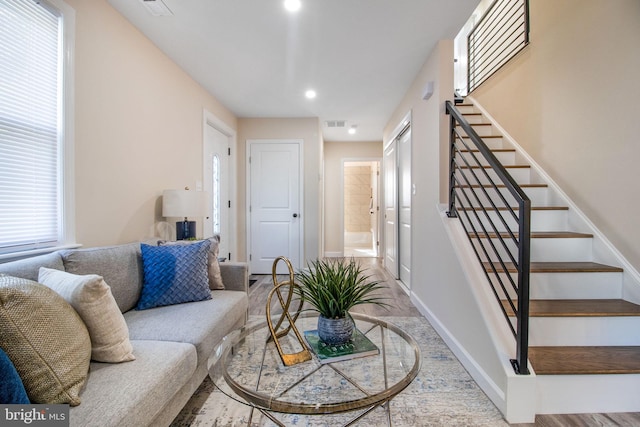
x=246, y=366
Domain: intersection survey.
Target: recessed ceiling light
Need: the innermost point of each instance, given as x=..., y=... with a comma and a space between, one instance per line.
x=292, y=5
x=352, y=130
x=310, y=94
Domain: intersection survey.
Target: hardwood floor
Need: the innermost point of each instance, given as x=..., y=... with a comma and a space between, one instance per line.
x=395, y=296
x=400, y=305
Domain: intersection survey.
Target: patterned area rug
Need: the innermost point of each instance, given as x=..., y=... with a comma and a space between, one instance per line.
x=443, y=394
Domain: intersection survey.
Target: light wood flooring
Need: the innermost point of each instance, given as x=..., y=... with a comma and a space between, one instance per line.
x=400, y=305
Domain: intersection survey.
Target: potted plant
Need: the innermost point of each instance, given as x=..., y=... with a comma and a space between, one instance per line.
x=332, y=287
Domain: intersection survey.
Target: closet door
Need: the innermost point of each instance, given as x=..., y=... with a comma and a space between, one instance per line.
x=404, y=206
x=390, y=172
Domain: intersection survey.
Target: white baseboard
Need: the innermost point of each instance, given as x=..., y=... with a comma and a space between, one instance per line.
x=479, y=375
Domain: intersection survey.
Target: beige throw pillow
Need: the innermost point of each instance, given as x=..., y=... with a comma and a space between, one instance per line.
x=213, y=266
x=45, y=339
x=91, y=297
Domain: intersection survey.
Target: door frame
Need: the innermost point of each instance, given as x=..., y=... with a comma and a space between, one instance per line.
x=210, y=119
x=301, y=215
x=378, y=197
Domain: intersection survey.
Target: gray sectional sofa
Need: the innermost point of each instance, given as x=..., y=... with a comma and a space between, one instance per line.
x=171, y=343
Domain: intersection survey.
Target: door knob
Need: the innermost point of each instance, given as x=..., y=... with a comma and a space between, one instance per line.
x=295, y=215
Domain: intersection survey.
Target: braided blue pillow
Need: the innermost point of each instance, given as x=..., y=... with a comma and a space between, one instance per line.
x=11, y=388
x=174, y=274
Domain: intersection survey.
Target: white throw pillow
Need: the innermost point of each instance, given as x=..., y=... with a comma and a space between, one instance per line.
x=91, y=297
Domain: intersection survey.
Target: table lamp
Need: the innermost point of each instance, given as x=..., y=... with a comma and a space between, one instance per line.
x=183, y=204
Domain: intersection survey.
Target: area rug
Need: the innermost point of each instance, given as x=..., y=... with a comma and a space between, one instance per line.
x=443, y=394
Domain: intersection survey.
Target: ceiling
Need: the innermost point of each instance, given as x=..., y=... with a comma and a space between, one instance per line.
x=258, y=59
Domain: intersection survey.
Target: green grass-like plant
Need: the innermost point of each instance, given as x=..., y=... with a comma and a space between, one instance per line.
x=333, y=286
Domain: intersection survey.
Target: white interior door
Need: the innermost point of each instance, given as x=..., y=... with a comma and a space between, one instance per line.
x=216, y=183
x=404, y=206
x=389, y=167
x=275, y=182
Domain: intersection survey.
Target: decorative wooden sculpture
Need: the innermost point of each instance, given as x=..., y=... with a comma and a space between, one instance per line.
x=287, y=358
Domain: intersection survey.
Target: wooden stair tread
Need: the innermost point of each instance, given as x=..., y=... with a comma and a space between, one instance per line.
x=559, y=267
x=502, y=186
x=483, y=137
x=538, y=235
x=489, y=167
x=578, y=308
x=515, y=208
x=585, y=360
x=493, y=150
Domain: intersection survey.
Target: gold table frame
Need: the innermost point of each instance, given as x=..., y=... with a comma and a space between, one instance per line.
x=246, y=386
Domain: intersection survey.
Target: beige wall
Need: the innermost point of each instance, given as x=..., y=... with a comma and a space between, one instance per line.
x=307, y=129
x=438, y=285
x=334, y=154
x=138, y=128
x=568, y=100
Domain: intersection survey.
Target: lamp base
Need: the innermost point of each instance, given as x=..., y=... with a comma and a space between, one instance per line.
x=185, y=230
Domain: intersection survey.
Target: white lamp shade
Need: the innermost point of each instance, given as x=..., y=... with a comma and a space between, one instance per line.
x=184, y=203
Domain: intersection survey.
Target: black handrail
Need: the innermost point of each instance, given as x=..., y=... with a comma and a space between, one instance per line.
x=487, y=214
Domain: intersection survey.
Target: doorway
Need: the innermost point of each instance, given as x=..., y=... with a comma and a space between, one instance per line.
x=218, y=145
x=361, y=208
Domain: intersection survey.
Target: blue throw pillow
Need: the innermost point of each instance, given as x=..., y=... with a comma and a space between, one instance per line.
x=174, y=274
x=11, y=389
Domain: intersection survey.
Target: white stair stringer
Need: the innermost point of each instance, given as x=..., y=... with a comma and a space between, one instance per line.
x=563, y=394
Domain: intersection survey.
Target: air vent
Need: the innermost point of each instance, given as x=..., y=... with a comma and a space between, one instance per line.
x=156, y=7
x=336, y=123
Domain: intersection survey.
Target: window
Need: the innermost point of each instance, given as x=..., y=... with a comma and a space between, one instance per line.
x=36, y=144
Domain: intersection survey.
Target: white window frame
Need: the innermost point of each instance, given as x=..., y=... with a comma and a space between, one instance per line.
x=66, y=159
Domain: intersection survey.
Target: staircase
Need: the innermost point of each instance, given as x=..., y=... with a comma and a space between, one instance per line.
x=584, y=338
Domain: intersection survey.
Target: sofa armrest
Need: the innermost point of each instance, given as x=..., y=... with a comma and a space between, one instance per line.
x=235, y=276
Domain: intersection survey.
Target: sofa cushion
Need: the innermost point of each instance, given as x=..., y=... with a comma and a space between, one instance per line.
x=120, y=266
x=213, y=266
x=202, y=324
x=46, y=340
x=132, y=394
x=11, y=388
x=174, y=274
x=29, y=268
x=91, y=297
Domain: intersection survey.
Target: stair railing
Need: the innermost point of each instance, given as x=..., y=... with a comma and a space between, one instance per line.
x=490, y=206
x=499, y=35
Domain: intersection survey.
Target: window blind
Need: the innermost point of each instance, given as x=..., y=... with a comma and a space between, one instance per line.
x=30, y=123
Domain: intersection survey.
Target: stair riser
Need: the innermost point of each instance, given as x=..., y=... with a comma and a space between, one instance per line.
x=504, y=157
x=476, y=175
x=474, y=119
x=549, y=250
x=584, y=331
x=540, y=221
x=573, y=285
x=466, y=109
x=482, y=130
x=537, y=195
x=574, y=394
x=492, y=143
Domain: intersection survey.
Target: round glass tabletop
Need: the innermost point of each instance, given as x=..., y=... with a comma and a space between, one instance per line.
x=247, y=367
